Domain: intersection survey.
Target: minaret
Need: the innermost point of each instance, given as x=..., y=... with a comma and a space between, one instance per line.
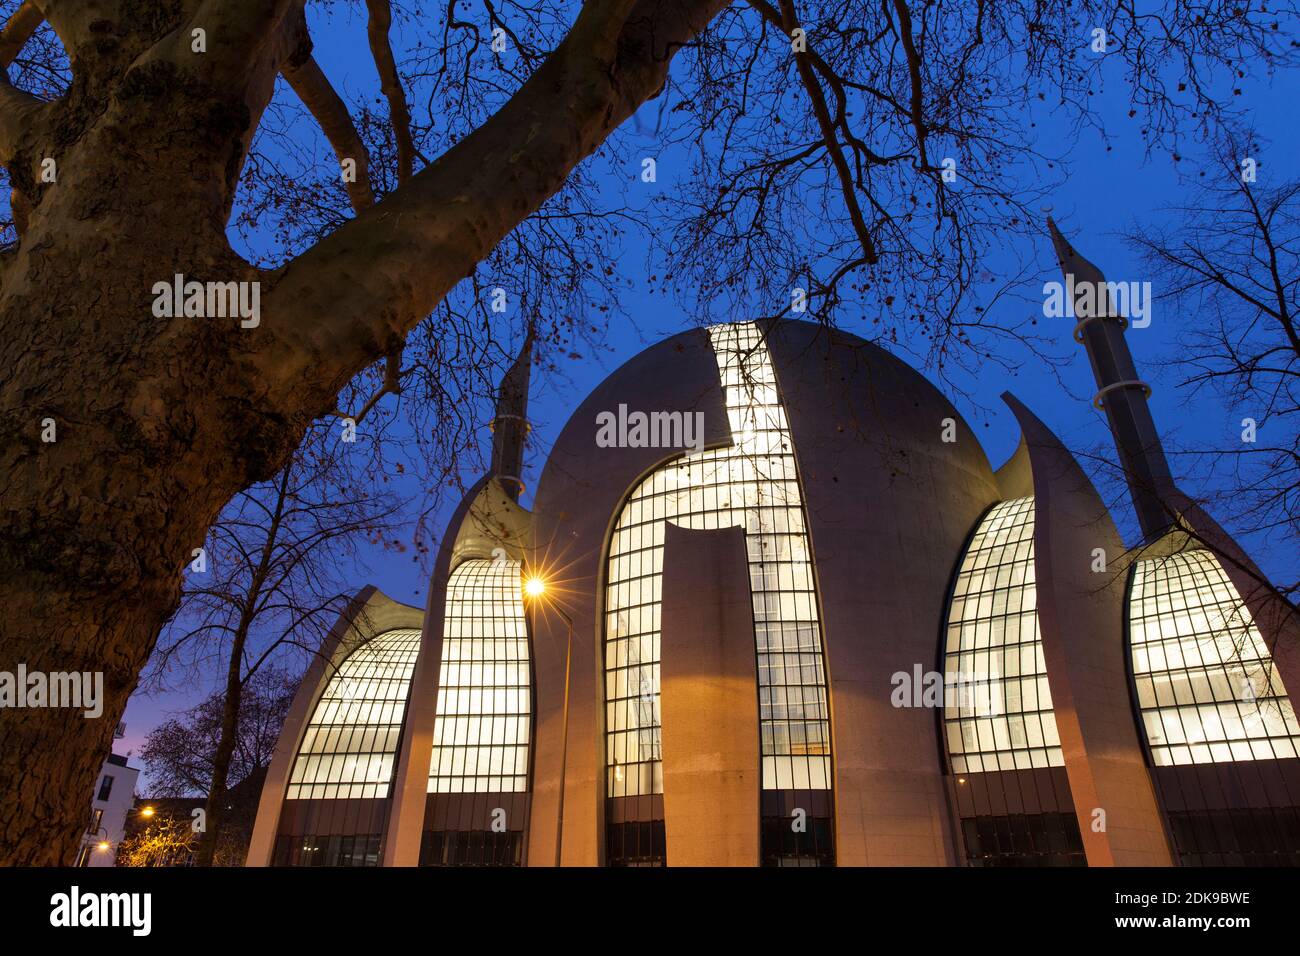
x=1120, y=393
x=510, y=424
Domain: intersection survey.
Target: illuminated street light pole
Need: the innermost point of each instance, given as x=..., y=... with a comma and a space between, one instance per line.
x=103, y=845
x=535, y=587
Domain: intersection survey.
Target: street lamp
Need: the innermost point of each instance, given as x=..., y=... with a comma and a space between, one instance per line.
x=102, y=844
x=535, y=588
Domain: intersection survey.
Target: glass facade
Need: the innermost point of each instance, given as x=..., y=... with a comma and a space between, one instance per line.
x=350, y=745
x=1023, y=839
x=997, y=711
x=359, y=849
x=1242, y=836
x=753, y=484
x=484, y=718
x=1205, y=680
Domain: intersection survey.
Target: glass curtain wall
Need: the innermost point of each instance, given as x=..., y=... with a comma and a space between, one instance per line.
x=997, y=706
x=478, y=773
x=1206, y=685
x=999, y=728
x=350, y=745
x=753, y=484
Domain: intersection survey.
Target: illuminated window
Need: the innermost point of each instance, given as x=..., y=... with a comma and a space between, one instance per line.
x=997, y=711
x=1205, y=680
x=480, y=736
x=349, y=747
x=752, y=484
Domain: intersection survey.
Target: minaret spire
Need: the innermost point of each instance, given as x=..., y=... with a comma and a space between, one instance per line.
x=1120, y=393
x=510, y=424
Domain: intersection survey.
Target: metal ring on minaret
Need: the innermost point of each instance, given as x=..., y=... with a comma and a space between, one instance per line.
x=1113, y=386
x=1078, y=329
x=492, y=425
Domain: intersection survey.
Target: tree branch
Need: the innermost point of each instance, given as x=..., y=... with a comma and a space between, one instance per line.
x=353, y=296
x=237, y=36
x=392, y=386
x=314, y=89
x=1263, y=225
x=24, y=22
x=18, y=109
x=380, y=22
x=810, y=83
x=914, y=75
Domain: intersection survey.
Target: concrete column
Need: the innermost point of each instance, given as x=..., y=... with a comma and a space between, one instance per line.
x=709, y=700
x=1081, y=619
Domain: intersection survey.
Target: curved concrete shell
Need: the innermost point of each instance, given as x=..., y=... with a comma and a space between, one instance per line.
x=1081, y=572
x=371, y=615
x=577, y=500
x=488, y=525
x=895, y=480
x=877, y=446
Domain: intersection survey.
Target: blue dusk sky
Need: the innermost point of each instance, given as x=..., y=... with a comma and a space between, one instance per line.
x=1111, y=184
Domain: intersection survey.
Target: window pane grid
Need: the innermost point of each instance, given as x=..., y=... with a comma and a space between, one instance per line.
x=1206, y=685
x=481, y=732
x=754, y=485
x=350, y=744
x=997, y=705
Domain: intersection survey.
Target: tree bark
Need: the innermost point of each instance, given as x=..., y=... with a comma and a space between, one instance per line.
x=159, y=422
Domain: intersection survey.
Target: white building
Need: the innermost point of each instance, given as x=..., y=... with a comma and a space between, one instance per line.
x=113, y=796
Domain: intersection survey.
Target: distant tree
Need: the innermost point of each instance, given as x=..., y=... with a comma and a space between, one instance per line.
x=1230, y=266
x=166, y=840
x=273, y=577
x=179, y=755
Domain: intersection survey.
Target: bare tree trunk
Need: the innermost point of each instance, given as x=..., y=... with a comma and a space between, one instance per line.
x=213, y=817
x=229, y=738
x=51, y=757
x=121, y=435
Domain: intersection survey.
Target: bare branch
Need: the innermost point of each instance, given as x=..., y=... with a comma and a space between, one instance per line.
x=917, y=99
x=24, y=22
x=790, y=23
x=20, y=113
x=354, y=295
x=314, y=89
x=381, y=20
x=18, y=109
x=392, y=386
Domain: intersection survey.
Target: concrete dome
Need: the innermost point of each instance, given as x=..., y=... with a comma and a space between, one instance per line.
x=869, y=437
